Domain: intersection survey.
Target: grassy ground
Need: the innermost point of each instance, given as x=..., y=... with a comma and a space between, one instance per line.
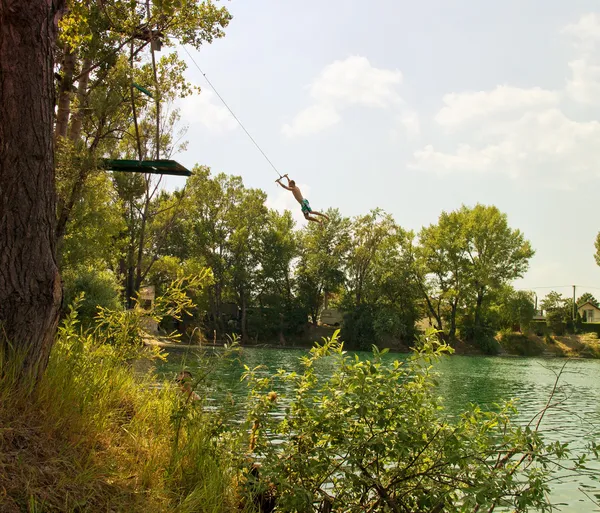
x=92, y=437
x=585, y=345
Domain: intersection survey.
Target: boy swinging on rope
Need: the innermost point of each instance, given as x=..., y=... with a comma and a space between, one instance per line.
x=306, y=210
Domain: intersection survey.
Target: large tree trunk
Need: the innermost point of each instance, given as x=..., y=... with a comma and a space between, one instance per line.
x=30, y=287
x=452, y=332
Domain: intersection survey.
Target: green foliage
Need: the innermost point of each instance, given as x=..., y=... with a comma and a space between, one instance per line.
x=124, y=329
x=458, y=263
x=515, y=308
x=95, y=223
x=559, y=313
x=557, y=322
x=373, y=437
x=103, y=436
x=323, y=253
x=359, y=329
x=584, y=298
x=520, y=344
x=100, y=288
x=376, y=324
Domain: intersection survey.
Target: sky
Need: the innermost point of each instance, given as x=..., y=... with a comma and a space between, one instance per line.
x=416, y=108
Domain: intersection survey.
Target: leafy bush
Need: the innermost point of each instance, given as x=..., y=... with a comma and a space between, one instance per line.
x=100, y=288
x=482, y=336
x=540, y=328
x=358, y=330
x=517, y=343
x=390, y=322
x=556, y=322
x=373, y=437
x=368, y=325
x=266, y=323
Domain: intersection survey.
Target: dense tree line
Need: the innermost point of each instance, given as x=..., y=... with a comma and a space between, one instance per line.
x=269, y=276
x=116, y=232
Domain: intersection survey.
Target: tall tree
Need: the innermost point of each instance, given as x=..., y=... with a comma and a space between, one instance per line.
x=497, y=254
x=584, y=298
x=30, y=287
x=96, y=95
x=440, y=269
x=372, y=234
x=278, y=248
x=323, y=253
x=245, y=221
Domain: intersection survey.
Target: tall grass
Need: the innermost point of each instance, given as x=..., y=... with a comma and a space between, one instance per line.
x=92, y=436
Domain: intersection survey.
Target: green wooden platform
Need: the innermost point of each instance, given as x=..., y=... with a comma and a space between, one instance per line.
x=159, y=167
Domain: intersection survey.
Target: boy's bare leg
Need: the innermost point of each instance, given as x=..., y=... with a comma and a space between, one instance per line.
x=313, y=219
x=319, y=214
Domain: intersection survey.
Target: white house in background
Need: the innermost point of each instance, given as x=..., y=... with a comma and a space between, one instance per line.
x=589, y=312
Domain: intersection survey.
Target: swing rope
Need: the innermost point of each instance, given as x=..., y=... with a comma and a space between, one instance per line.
x=232, y=113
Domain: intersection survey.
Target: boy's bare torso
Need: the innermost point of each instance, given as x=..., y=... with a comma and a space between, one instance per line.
x=297, y=194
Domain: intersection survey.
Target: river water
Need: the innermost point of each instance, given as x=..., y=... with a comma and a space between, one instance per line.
x=463, y=379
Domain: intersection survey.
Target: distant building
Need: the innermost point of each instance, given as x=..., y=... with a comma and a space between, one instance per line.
x=589, y=312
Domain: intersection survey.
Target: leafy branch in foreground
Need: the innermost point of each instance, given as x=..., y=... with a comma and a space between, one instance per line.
x=373, y=437
x=125, y=328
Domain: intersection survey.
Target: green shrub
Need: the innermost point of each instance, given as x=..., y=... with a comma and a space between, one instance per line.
x=540, y=328
x=391, y=322
x=488, y=345
x=266, y=323
x=100, y=288
x=520, y=344
x=373, y=437
x=557, y=321
x=358, y=329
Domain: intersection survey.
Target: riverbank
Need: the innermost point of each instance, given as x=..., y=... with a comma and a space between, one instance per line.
x=93, y=436
x=586, y=345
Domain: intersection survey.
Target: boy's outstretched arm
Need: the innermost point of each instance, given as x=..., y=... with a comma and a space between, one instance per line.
x=284, y=186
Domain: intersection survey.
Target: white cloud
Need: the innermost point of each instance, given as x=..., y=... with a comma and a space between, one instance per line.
x=313, y=119
x=408, y=126
x=523, y=133
x=584, y=86
x=342, y=84
x=462, y=107
x=205, y=108
x=412, y=125
x=586, y=32
x=355, y=81
x=545, y=147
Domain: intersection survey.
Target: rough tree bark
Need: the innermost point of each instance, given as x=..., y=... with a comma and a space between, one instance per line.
x=30, y=287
